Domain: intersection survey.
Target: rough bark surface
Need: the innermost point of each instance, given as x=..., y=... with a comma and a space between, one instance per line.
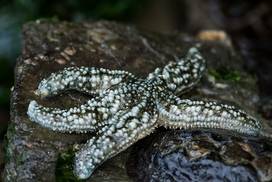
x=33, y=152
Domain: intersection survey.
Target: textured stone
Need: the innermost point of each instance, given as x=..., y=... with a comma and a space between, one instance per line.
x=34, y=152
x=200, y=156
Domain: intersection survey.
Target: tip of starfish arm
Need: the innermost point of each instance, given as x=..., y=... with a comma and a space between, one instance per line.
x=193, y=50
x=82, y=176
x=81, y=171
x=31, y=109
x=42, y=92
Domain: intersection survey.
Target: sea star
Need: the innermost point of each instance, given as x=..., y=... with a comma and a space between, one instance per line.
x=126, y=108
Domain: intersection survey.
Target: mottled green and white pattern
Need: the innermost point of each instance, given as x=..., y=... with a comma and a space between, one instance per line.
x=126, y=108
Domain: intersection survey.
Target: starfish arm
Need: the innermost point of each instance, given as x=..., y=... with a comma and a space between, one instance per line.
x=191, y=114
x=64, y=120
x=124, y=129
x=182, y=74
x=86, y=117
x=84, y=79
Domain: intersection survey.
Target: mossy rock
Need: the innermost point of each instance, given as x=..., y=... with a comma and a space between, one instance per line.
x=35, y=153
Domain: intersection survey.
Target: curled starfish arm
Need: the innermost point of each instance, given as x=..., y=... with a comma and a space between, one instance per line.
x=191, y=114
x=86, y=117
x=182, y=74
x=83, y=79
x=124, y=129
x=64, y=120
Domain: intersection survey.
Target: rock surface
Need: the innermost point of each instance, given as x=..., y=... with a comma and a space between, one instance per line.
x=176, y=155
x=199, y=156
x=34, y=153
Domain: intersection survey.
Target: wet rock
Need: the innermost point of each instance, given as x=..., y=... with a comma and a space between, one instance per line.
x=200, y=156
x=177, y=155
x=37, y=154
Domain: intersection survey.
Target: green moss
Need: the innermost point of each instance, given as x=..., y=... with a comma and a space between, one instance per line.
x=21, y=158
x=64, y=167
x=225, y=74
x=53, y=19
x=7, y=149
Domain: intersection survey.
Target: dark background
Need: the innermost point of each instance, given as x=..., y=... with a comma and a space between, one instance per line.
x=248, y=23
